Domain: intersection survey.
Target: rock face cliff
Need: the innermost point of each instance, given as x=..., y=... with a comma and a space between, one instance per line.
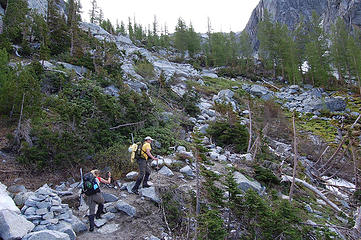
x=289, y=12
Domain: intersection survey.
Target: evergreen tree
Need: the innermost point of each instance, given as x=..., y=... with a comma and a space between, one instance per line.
x=267, y=38
x=180, y=36
x=354, y=53
x=245, y=49
x=93, y=12
x=59, y=31
x=193, y=41
x=338, y=50
x=300, y=36
x=120, y=29
x=130, y=29
x=316, y=52
x=15, y=20
x=73, y=22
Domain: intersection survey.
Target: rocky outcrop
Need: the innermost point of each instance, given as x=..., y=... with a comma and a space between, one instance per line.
x=2, y=13
x=289, y=12
x=40, y=6
x=6, y=203
x=13, y=226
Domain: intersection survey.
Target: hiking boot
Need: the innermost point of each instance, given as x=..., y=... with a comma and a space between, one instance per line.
x=100, y=211
x=91, y=223
x=135, y=191
x=146, y=185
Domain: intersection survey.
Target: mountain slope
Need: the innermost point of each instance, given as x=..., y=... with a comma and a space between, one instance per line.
x=289, y=12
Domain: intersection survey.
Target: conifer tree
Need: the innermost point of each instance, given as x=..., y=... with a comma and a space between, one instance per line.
x=267, y=36
x=130, y=29
x=15, y=20
x=59, y=31
x=180, y=36
x=245, y=49
x=339, y=53
x=93, y=12
x=354, y=53
x=73, y=23
x=193, y=41
x=316, y=49
x=120, y=29
x=300, y=36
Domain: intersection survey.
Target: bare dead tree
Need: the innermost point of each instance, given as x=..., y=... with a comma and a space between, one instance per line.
x=17, y=135
x=295, y=158
x=250, y=128
x=197, y=196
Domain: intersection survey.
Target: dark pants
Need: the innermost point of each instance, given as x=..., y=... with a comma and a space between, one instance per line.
x=93, y=200
x=144, y=172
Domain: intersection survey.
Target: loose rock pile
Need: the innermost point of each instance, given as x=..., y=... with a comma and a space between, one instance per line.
x=46, y=211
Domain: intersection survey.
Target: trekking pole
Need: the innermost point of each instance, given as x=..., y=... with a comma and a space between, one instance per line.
x=132, y=138
x=81, y=185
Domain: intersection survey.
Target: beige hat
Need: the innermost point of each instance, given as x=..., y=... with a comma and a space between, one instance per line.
x=149, y=138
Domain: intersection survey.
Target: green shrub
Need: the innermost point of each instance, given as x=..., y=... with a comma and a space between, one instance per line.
x=226, y=134
x=117, y=158
x=211, y=225
x=189, y=102
x=265, y=176
x=144, y=69
x=173, y=209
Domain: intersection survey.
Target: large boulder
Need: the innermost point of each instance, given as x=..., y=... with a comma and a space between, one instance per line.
x=47, y=235
x=166, y=171
x=244, y=183
x=13, y=226
x=5, y=200
x=109, y=197
x=126, y=208
x=150, y=193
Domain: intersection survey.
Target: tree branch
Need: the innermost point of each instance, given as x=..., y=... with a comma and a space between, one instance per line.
x=127, y=124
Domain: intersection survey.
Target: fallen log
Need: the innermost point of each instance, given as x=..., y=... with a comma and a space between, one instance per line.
x=286, y=178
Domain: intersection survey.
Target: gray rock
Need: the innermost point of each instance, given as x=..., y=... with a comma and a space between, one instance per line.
x=108, y=216
x=77, y=225
x=166, y=171
x=69, y=231
x=203, y=128
x=108, y=229
x=16, y=189
x=246, y=157
x=150, y=193
x=152, y=238
x=308, y=208
x=187, y=171
x=126, y=208
x=41, y=211
x=209, y=74
x=112, y=91
x=47, y=235
x=21, y=198
x=40, y=6
x=13, y=226
x=100, y=222
x=5, y=200
x=109, y=197
x=181, y=149
x=30, y=211
x=110, y=207
x=129, y=186
x=81, y=70
x=137, y=86
x=132, y=175
x=244, y=183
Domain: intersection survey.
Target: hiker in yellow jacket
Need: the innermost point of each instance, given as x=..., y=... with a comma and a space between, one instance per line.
x=144, y=169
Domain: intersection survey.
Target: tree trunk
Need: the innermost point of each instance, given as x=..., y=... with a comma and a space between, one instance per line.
x=250, y=128
x=17, y=137
x=355, y=168
x=295, y=159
